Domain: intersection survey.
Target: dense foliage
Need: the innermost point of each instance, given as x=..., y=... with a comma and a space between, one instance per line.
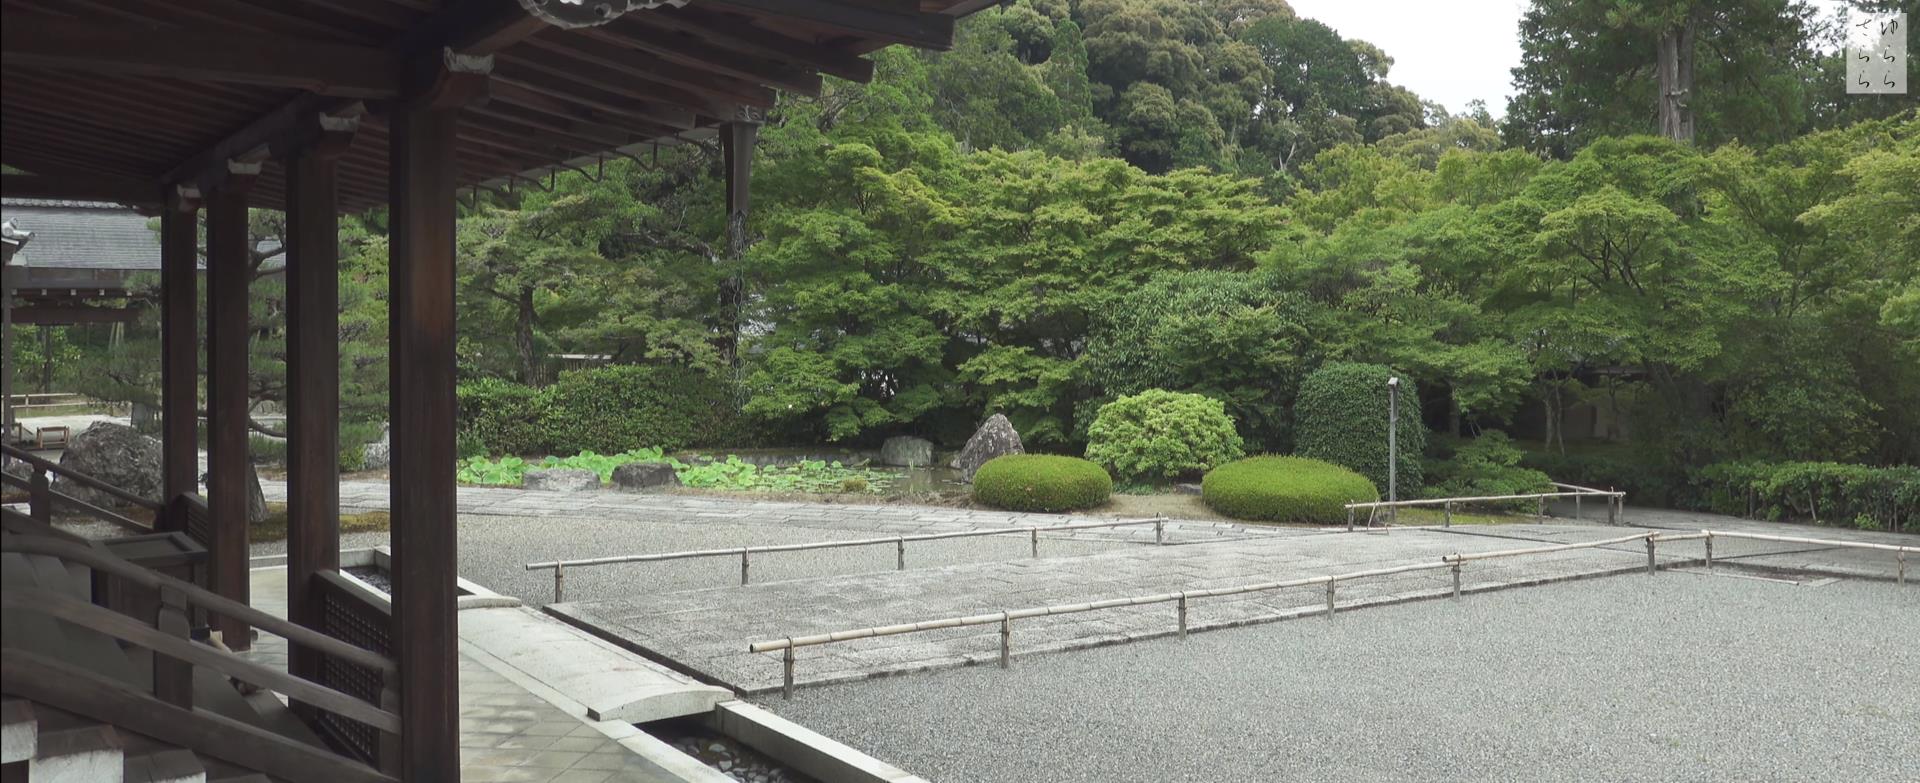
x=730, y=473
x=1041, y=482
x=606, y=409
x=1285, y=489
x=1483, y=466
x=1158, y=436
x=1343, y=419
x=1819, y=492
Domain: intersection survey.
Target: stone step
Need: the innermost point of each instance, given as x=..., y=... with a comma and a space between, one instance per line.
x=90, y=754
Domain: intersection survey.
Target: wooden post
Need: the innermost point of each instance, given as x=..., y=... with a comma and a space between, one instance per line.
x=40, y=497
x=422, y=176
x=744, y=566
x=172, y=678
x=1448, y=520
x=179, y=349
x=6, y=358
x=1330, y=584
x=1183, y=615
x=1034, y=534
x=1456, y=578
x=228, y=269
x=560, y=582
x=900, y=554
x=786, y=672
x=313, y=385
x=1006, y=640
x=1650, y=561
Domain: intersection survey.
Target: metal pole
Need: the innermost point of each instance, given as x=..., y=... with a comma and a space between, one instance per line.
x=1456, y=580
x=786, y=664
x=744, y=566
x=1006, y=639
x=900, y=554
x=1183, y=615
x=1393, y=448
x=559, y=581
x=1035, y=533
x=1650, y=562
x=1330, y=584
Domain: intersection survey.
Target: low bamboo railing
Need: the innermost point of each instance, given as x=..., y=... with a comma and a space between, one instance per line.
x=1616, y=503
x=745, y=553
x=1454, y=563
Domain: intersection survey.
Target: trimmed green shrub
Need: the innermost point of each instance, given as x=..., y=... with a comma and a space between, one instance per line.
x=502, y=415
x=1285, y=489
x=1648, y=479
x=1486, y=465
x=1341, y=417
x=1041, y=482
x=630, y=406
x=1827, y=493
x=1159, y=436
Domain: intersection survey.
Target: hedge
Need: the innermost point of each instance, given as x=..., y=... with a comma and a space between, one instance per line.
x=1041, y=482
x=608, y=410
x=1285, y=489
x=1160, y=436
x=1341, y=417
x=1828, y=493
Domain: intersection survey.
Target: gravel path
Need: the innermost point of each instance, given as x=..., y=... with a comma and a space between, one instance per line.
x=1678, y=677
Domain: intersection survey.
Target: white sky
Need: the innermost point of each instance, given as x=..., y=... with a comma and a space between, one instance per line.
x=1451, y=52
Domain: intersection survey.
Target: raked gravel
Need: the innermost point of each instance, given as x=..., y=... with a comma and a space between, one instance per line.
x=1676, y=677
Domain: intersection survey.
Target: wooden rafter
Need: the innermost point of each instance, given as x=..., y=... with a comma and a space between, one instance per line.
x=188, y=53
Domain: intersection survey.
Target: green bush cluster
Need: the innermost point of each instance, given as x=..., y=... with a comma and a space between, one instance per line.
x=1486, y=465
x=1159, y=436
x=608, y=410
x=1648, y=479
x=1041, y=482
x=1285, y=489
x=1341, y=417
x=1828, y=493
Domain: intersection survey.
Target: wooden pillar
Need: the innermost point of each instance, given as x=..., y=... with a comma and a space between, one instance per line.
x=179, y=348
x=6, y=359
x=313, y=383
x=228, y=270
x=422, y=177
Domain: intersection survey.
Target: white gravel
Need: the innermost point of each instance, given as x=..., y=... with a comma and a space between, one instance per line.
x=1679, y=677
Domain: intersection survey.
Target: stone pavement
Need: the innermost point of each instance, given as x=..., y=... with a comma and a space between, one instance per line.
x=507, y=733
x=707, y=631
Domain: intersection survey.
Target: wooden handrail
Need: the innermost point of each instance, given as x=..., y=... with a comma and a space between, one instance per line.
x=125, y=628
x=83, y=692
x=198, y=596
x=79, y=478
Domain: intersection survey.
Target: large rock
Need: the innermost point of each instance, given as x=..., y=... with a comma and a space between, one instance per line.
x=645, y=477
x=994, y=438
x=378, y=455
x=561, y=479
x=906, y=451
x=116, y=454
x=256, y=500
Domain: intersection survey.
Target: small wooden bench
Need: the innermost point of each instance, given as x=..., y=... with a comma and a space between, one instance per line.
x=52, y=437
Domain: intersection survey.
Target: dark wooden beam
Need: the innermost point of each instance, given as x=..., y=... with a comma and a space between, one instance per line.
x=626, y=64
x=313, y=382
x=902, y=23
x=131, y=192
x=423, y=178
x=701, y=54
x=194, y=54
x=475, y=27
x=179, y=347
x=228, y=271
x=252, y=139
x=734, y=31
x=61, y=315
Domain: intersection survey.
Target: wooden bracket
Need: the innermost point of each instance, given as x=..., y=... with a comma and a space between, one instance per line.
x=452, y=80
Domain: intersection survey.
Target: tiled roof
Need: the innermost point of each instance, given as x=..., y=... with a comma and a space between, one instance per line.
x=82, y=235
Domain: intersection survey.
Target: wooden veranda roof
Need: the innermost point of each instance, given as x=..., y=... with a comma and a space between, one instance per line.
x=112, y=99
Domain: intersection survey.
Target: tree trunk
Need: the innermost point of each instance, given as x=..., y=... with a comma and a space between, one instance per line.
x=733, y=293
x=46, y=359
x=1675, y=68
x=523, y=337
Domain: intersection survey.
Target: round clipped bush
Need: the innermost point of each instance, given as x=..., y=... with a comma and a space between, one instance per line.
x=1159, y=436
x=1285, y=489
x=1341, y=417
x=1041, y=482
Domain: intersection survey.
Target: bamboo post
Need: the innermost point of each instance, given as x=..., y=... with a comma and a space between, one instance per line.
x=1035, y=534
x=786, y=665
x=1709, y=550
x=1330, y=584
x=1183, y=614
x=559, y=581
x=744, y=566
x=1006, y=639
x=1159, y=530
x=1456, y=578
x=1902, y=558
x=1349, y=519
x=900, y=554
x=1448, y=522
x=1650, y=561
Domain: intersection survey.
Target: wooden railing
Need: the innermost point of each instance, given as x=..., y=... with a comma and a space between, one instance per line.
x=175, y=654
x=43, y=498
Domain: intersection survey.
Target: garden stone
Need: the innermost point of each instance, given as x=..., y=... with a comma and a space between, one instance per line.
x=906, y=451
x=561, y=480
x=116, y=454
x=645, y=477
x=378, y=455
x=995, y=438
x=256, y=499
